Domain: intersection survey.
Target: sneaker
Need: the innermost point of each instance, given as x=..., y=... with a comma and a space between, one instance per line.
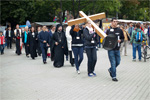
x=114, y=79
x=78, y=71
x=134, y=60
x=109, y=72
x=90, y=74
x=94, y=74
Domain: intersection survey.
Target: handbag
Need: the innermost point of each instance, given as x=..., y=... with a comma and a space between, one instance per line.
x=128, y=36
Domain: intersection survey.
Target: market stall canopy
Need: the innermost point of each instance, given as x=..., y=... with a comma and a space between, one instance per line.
x=131, y=21
x=21, y=26
x=47, y=23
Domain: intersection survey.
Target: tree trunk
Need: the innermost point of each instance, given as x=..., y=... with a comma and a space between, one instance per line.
x=78, y=9
x=61, y=12
x=73, y=10
x=93, y=6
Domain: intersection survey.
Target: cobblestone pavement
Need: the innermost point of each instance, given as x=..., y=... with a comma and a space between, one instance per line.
x=25, y=79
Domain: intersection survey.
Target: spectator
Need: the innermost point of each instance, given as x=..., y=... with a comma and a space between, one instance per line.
x=130, y=29
x=124, y=44
x=2, y=42
x=137, y=44
x=9, y=37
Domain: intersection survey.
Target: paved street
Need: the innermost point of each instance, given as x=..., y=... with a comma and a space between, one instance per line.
x=25, y=79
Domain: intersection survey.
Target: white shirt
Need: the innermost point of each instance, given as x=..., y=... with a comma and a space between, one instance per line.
x=9, y=34
x=69, y=38
x=145, y=31
x=4, y=33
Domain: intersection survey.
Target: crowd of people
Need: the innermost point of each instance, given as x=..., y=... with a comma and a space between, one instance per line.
x=57, y=43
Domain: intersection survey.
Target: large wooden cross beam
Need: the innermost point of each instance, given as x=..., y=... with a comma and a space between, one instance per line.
x=84, y=18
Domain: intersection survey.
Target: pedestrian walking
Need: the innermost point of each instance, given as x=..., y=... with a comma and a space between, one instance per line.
x=2, y=42
x=17, y=35
x=114, y=54
x=90, y=43
x=9, y=37
x=59, y=46
x=44, y=39
x=136, y=41
x=77, y=45
x=24, y=41
x=32, y=42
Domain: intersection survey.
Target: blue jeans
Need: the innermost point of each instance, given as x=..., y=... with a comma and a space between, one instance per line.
x=114, y=58
x=138, y=47
x=92, y=59
x=2, y=48
x=78, y=52
x=5, y=42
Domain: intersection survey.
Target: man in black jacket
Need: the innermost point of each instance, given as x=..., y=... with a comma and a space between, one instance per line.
x=9, y=37
x=114, y=55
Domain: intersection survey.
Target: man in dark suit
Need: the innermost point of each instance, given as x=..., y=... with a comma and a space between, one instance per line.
x=9, y=37
x=44, y=38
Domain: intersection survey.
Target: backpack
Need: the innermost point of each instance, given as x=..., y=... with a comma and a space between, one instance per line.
x=138, y=36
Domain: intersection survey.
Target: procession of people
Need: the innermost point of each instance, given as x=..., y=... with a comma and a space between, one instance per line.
x=73, y=42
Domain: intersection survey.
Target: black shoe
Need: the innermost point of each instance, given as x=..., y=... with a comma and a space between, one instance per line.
x=109, y=72
x=114, y=79
x=45, y=62
x=72, y=65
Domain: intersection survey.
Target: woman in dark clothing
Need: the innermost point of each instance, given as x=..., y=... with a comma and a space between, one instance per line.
x=77, y=45
x=90, y=47
x=59, y=46
x=32, y=42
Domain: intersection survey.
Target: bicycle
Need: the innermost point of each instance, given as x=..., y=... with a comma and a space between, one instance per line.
x=145, y=52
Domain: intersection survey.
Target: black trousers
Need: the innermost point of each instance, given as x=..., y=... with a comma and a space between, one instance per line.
x=27, y=50
x=71, y=59
x=18, y=49
x=92, y=59
x=39, y=51
x=9, y=42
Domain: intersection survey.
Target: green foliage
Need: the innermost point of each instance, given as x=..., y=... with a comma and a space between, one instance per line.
x=16, y=11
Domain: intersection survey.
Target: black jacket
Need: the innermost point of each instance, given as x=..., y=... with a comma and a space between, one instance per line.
x=117, y=32
x=11, y=32
x=77, y=37
x=44, y=36
x=88, y=38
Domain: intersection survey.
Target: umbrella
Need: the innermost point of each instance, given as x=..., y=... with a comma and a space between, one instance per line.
x=28, y=23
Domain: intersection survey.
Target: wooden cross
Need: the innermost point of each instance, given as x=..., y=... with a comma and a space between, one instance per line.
x=84, y=18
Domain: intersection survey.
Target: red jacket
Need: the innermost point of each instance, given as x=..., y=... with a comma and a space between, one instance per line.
x=2, y=40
